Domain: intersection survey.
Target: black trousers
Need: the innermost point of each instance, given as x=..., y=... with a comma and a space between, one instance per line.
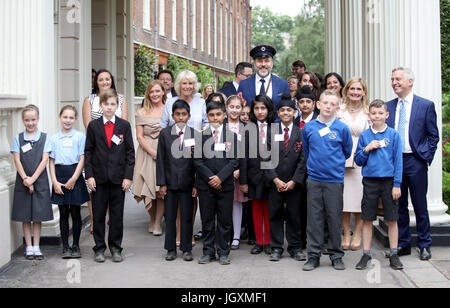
x=65, y=211
x=170, y=214
x=218, y=205
x=285, y=206
x=247, y=219
x=106, y=195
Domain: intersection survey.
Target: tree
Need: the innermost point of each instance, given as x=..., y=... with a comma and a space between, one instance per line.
x=144, y=69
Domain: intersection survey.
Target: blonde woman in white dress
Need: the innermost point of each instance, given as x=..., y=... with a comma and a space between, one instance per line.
x=354, y=113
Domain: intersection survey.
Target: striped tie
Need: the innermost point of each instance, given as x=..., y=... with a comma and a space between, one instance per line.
x=262, y=136
x=402, y=123
x=180, y=146
x=216, y=136
x=286, y=138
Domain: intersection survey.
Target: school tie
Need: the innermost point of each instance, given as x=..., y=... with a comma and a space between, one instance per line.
x=263, y=90
x=180, y=144
x=402, y=123
x=216, y=136
x=262, y=136
x=286, y=138
x=302, y=124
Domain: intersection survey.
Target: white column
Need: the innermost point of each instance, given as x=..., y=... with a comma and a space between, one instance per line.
x=352, y=39
x=333, y=45
x=407, y=33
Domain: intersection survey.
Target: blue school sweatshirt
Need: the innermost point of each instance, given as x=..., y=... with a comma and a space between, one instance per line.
x=386, y=162
x=326, y=155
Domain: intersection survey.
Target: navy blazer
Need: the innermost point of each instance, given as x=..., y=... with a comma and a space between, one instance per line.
x=229, y=90
x=423, y=131
x=279, y=87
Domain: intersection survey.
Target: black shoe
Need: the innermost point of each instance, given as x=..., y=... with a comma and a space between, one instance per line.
x=267, y=249
x=257, y=249
x=394, y=262
x=425, y=254
x=171, y=255
x=299, y=256
x=206, y=259
x=224, y=260
x=276, y=255
x=311, y=264
x=187, y=256
x=235, y=247
x=338, y=264
x=66, y=253
x=100, y=257
x=76, y=253
x=198, y=236
x=116, y=256
x=362, y=264
x=403, y=251
x=251, y=242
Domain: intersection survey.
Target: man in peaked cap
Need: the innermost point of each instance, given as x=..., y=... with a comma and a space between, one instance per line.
x=263, y=82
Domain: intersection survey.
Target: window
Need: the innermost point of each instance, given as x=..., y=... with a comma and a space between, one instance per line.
x=174, y=20
x=162, y=17
x=146, y=15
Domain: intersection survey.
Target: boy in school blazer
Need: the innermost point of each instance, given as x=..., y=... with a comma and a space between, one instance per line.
x=175, y=175
x=109, y=154
x=215, y=182
x=286, y=179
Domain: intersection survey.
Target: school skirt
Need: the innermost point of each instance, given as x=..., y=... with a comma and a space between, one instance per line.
x=78, y=196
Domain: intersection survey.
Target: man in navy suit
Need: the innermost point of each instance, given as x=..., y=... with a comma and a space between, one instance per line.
x=242, y=71
x=263, y=82
x=415, y=119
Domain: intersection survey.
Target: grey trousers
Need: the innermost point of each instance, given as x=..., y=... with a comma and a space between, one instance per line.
x=325, y=204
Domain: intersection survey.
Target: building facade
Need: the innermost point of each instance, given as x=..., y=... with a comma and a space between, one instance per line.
x=215, y=33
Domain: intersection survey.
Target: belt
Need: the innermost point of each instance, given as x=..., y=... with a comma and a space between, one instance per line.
x=408, y=154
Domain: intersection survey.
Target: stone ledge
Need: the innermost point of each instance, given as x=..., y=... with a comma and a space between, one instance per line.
x=9, y=101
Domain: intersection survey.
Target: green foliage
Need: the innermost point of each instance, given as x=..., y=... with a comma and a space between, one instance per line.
x=204, y=74
x=144, y=69
x=446, y=187
x=306, y=37
x=445, y=41
x=446, y=108
x=222, y=80
x=446, y=163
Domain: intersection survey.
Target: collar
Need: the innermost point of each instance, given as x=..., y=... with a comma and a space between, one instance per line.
x=267, y=78
x=409, y=99
x=308, y=119
x=70, y=134
x=327, y=124
x=378, y=132
x=290, y=126
x=236, y=85
x=37, y=136
x=182, y=130
x=113, y=119
x=259, y=123
x=219, y=129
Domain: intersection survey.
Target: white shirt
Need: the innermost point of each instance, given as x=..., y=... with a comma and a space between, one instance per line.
x=266, y=84
x=169, y=95
x=408, y=104
x=219, y=129
x=236, y=85
x=113, y=119
x=308, y=119
x=374, y=131
x=289, y=127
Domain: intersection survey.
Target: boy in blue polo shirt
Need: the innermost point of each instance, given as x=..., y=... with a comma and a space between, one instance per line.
x=379, y=152
x=327, y=143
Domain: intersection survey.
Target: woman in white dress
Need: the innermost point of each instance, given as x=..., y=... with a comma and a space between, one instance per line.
x=354, y=113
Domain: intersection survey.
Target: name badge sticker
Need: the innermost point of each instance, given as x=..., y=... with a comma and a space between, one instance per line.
x=239, y=137
x=324, y=131
x=279, y=137
x=26, y=147
x=382, y=143
x=189, y=142
x=67, y=143
x=116, y=140
x=219, y=147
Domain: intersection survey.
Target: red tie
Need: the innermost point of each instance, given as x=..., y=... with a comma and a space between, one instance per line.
x=286, y=137
x=109, y=130
x=302, y=124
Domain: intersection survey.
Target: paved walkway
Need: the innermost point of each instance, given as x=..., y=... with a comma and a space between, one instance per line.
x=144, y=266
